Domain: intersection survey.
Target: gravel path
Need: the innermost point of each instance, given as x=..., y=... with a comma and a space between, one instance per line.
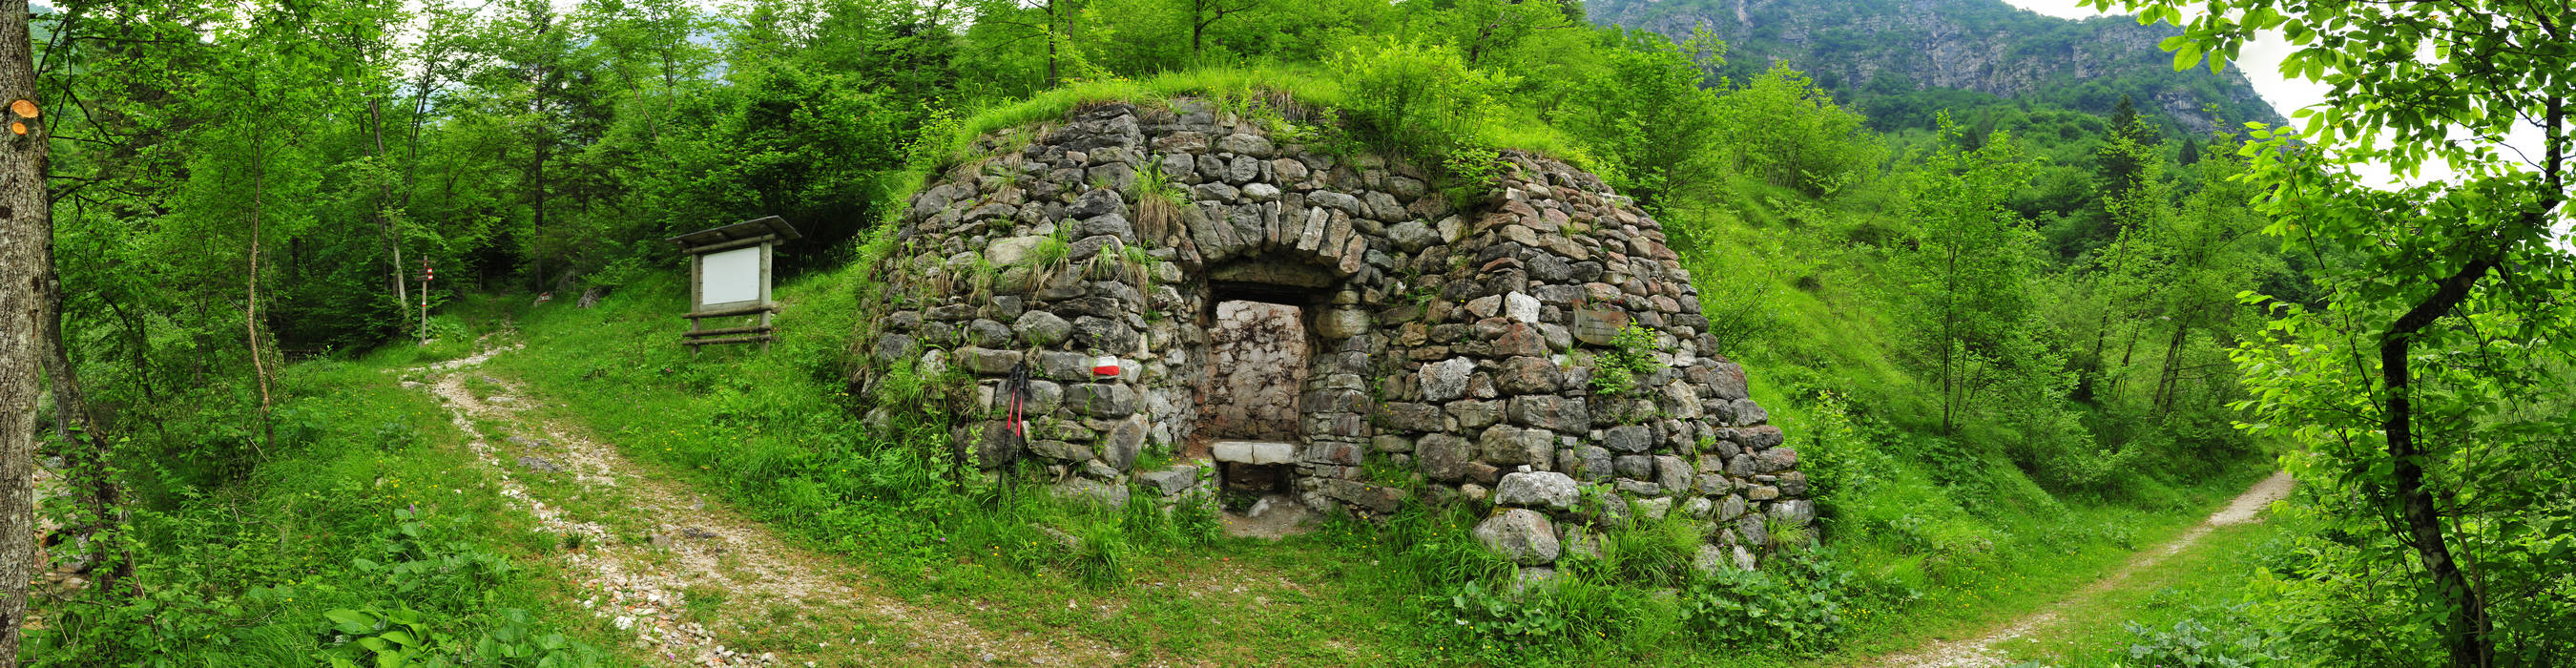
x=1982, y=652
x=648, y=543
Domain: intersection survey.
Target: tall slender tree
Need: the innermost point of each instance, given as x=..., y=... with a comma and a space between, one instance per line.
x=26, y=240
x=2440, y=296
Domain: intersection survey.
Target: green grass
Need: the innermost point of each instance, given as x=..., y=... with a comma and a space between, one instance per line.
x=2213, y=572
x=942, y=148
x=242, y=573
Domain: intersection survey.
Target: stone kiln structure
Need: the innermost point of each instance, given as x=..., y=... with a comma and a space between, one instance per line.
x=1331, y=326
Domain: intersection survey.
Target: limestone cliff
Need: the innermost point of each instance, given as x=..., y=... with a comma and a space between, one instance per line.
x=1874, y=52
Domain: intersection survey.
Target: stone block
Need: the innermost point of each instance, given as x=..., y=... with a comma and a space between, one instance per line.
x=1474, y=414
x=1520, y=339
x=1528, y=375
x=1506, y=445
x=1061, y=450
x=1629, y=439
x=1775, y=460
x=1064, y=366
x=1407, y=416
x=1247, y=144
x=1795, y=512
x=1637, y=487
x=1342, y=323
x=1537, y=489
x=1102, y=400
x=1412, y=236
x=1124, y=442
x=1524, y=536
x=1336, y=453
x=1640, y=467
x=1726, y=382
x=1443, y=457
x=1793, y=483
x=1563, y=414
x=1092, y=491
x=1521, y=307
x=1597, y=326
x=1712, y=484
x=1673, y=472
x=1169, y=482
x=1446, y=379
x=1654, y=508
x=1094, y=202
x=1592, y=464
x=1760, y=438
x=987, y=361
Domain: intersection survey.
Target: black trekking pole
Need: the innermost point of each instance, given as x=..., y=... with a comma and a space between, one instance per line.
x=1016, y=397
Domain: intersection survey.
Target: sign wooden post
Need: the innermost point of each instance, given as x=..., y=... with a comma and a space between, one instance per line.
x=729, y=277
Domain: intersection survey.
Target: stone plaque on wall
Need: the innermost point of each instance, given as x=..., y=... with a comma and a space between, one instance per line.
x=1596, y=326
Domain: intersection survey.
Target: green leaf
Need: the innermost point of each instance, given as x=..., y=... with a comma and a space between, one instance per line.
x=2187, y=57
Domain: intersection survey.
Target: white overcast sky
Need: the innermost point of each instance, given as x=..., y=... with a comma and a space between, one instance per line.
x=2261, y=63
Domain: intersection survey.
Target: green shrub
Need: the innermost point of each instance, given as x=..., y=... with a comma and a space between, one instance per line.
x=1632, y=352
x=1561, y=615
x=2229, y=639
x=1797, y=606
x=1420, y=98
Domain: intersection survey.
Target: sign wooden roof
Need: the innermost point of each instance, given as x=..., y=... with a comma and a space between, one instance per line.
x=755, y=227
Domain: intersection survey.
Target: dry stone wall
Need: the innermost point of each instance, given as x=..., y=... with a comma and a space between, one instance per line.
x=1451, y=351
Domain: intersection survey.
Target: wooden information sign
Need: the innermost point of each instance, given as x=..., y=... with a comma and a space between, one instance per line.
x=729, y=277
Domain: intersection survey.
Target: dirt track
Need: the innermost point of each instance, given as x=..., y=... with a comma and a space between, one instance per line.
x=1980, y=651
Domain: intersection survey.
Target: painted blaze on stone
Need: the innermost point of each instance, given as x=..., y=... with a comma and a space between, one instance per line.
x=1446, y=342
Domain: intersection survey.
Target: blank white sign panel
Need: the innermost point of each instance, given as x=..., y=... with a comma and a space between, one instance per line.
x=730, y=276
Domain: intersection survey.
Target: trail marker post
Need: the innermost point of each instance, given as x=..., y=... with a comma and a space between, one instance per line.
x=729, y=269
x=426, y=275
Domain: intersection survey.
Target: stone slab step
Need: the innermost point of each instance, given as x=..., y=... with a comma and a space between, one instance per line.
x=1254, y=452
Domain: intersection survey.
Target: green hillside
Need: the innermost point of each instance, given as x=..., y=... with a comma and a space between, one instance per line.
x=2023, y=339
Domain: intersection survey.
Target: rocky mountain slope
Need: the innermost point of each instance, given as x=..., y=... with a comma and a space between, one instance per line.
x=1899, y=60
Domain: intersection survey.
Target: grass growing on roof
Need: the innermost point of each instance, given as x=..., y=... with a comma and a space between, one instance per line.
x=947, y=144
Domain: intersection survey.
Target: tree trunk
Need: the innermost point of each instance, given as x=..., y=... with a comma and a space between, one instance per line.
x=2088, y=382
x=2468, y=634
x=2171, y=375
x=1198, y=26
x=1052, y=35
x=385, y=223
x=83, y=447
x=25, y=245
x=250, y=303
x=1949, y=334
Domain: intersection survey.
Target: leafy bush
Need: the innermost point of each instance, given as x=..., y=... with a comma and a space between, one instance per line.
x=1797, y=606
x=1554, y=616
x=2230, y=639
x=1420, y=98
x=1788, y=132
